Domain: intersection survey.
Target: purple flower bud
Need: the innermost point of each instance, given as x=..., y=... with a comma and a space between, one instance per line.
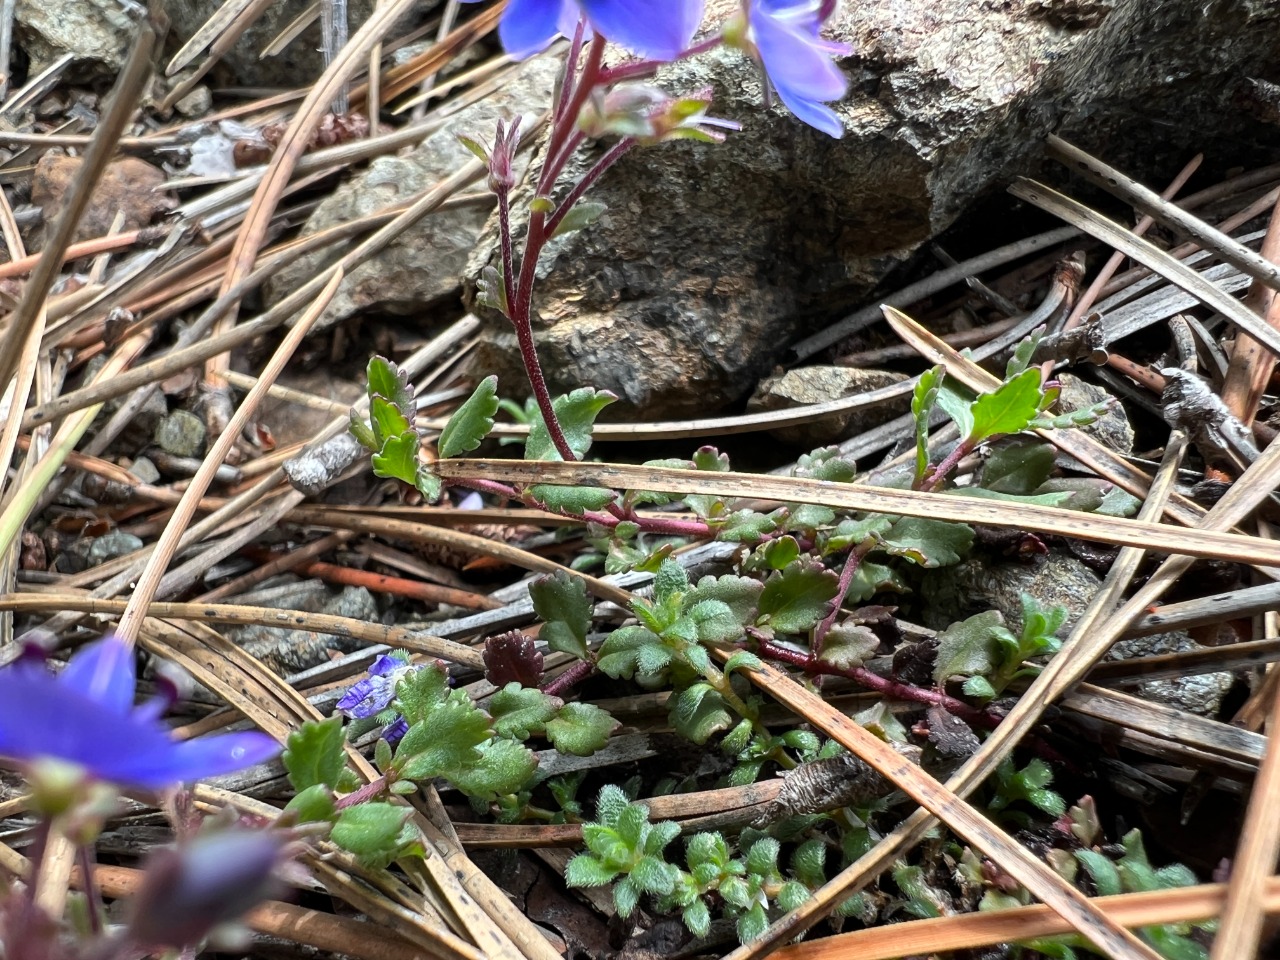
x=188, y=891
x=502, y=156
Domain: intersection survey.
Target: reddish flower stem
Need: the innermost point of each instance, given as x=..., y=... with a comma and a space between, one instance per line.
x=561, y=684
x=851, y=564
x=369, y=791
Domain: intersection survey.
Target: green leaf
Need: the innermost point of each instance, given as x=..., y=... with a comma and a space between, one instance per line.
x=477, y=148
x=577, y=413
x=1119, y=503
x=850, y=533
x=398, y=458
x=654, y=876
x=312, y=805
x=697, y=918
x=792, y=895
x=445, y=742
x=1019, y=466
x=1074, y=418
x=825, y=463
x=387, y=420
x=1058, y=499
x=1022, y=355
x=742, y=594
x=780, y=553
x=808, y=862
x=957, y=402
x=797, y=598
x=562, y=602
x=746, y=526
x=580, y=729
x=741, y=660
x=420, y=692
x=389, y=381
x=472, y=421
x=979, y=688
x=626, y=895
x=1010, y=408
x=618, y=655
x=315, y=754
x=871, y=578
x=581, y=215
x=584, y=870
x=699, y=711
x=752, y=924
x=849, y=645
x=923, y=400
x=1104, y=873
x=715, y=622
x=502, y=768
x=969, y=647
x=521, y=712
x=574, y=501
x=928, y=543
x=371, y=831
x=670, y=583
x=363, y=432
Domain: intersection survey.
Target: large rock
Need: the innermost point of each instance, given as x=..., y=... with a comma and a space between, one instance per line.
x=425, y=263
x=712, y=259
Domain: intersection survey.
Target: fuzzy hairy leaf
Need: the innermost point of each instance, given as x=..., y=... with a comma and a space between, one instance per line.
x=371, y=830
x=795, y=599
x=580, y=729
x=577, y=414
x=574, y=501
x=312, y=805
x=502, y=768
x=315, y=754
x=741, y=594
x=849, y=645
x=562, y=602
x=420, y=692
x=928, y=543
x=968, y=648
x=618, y=655
x=580, y=216
x=699, y=711
x=585, y=870
x=825, y=463
x=521, y=712
x=472, y=421
x=746, y=526
x=445, y=742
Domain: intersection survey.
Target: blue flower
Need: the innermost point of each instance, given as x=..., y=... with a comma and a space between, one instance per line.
x=372, y=695
x=788, y=43
x=85, y=716
x=657, y=29
x=369, y=696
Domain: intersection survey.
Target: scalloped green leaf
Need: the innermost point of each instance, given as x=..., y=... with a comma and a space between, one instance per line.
x=1009, y=408
x=561, y=601
x=472, y=421
x=386, y=379
x=577, y=414
x=580, y=729
x=522, y=712
x=969, y=648
x=572, y=500
x=315, y=754
x=795, y=599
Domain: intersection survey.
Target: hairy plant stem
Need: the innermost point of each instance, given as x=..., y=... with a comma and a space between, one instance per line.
x=363, y=794
x=873, y=681
x=851, y=564
x=563, y=141
x=939, y=474
x=561, y=684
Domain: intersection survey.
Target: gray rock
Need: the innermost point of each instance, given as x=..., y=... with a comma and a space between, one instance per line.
x=1113, y=428
x=96, y=33
x=182, y=434
x=425, y=263
x=292, y=651
x=818, y=384
x=955, y=593
x=711, y=260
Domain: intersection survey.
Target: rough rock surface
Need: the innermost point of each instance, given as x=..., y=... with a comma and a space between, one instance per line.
x=425, y=264
x=1113, y=428
x=298, y=64
x=818, y=384
x=712, y=259
x=128, y=186
x=954, y=593
x=95, y=32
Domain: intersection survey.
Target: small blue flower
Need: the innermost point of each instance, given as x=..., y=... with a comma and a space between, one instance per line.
x=85, y=716
x=787, y=41
x=371, y=695
x=657, y=29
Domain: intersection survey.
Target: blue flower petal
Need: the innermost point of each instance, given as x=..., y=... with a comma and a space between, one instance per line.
x=368, y=696
x=528, y=26
x=44, y=717
x=384, y=664
x=103, y=671
x=797, y=60
x=659, y=29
